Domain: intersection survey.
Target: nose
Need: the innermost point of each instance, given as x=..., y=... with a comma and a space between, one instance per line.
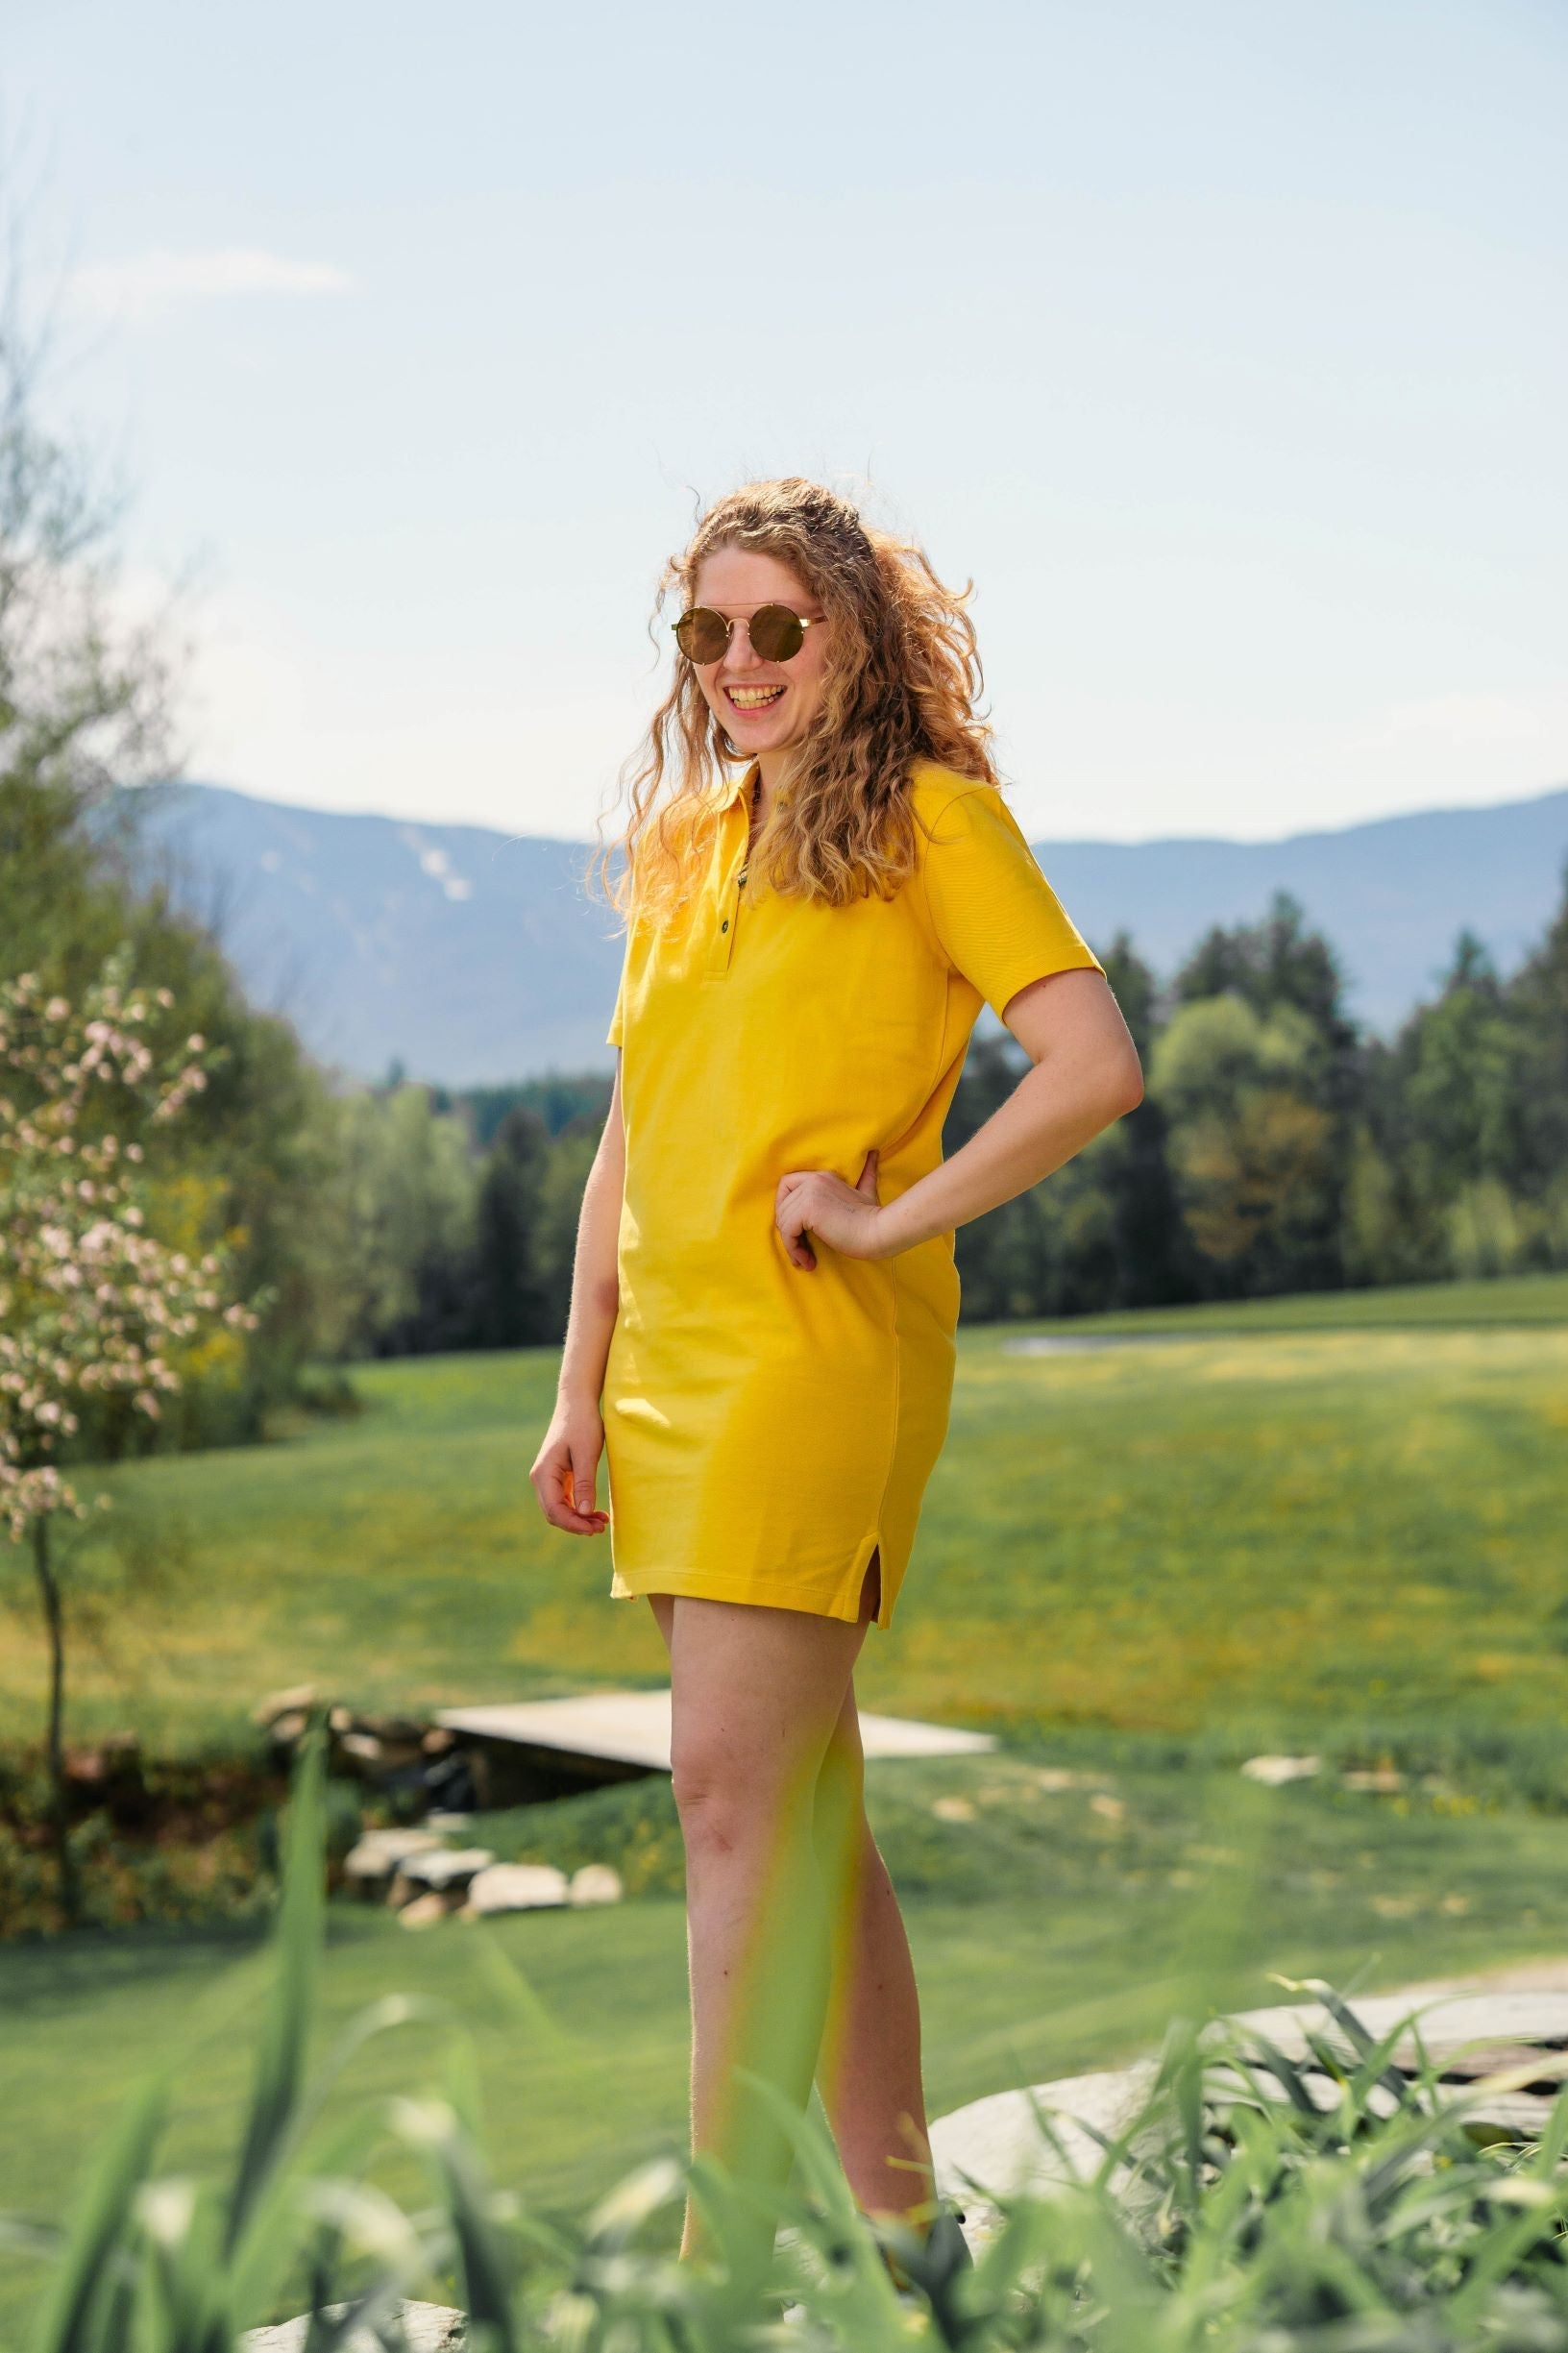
x=738, y=655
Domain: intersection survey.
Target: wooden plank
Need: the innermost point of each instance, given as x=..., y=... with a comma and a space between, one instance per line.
x=632, y=1727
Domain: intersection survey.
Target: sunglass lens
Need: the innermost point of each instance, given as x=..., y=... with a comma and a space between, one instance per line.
x=701, y=634
x=777, y=633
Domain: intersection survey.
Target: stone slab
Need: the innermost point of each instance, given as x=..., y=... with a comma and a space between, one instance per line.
x=999, y=2143
x=632, y=1727
x=429, y=2328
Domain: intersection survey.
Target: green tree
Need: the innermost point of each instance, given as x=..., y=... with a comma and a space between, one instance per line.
x=406, y=1210
x=511, y=1309
x=1250, y=1148
x=1537, y=999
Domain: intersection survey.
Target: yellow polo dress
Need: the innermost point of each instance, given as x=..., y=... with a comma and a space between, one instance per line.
x=767, y=1429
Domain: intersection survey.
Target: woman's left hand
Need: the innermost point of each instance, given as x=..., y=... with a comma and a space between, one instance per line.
x=816, y=1202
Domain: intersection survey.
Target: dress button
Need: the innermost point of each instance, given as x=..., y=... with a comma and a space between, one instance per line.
x=725, y=925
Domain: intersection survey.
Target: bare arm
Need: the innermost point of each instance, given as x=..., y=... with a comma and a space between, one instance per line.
x=1086, y=1074
x=565, y=1474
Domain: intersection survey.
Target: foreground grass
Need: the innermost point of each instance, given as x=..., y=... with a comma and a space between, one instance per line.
x=1276, y=1517
x=1054, y=1929
x=1235, y=2208
x=1309, y=1523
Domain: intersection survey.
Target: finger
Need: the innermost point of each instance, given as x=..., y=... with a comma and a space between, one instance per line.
x=868, y=1176
x=577, y=1500
x=578, y=1483
x=792, y=1233
x=564, y=1516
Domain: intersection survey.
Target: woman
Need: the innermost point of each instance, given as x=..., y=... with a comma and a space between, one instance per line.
x=823, y=884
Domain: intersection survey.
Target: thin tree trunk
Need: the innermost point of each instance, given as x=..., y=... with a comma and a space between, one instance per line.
x=54, y=1619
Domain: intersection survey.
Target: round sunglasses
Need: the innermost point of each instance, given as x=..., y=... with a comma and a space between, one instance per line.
x=777, y=633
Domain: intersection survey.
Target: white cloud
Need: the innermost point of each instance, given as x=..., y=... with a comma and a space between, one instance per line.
x=155, y=281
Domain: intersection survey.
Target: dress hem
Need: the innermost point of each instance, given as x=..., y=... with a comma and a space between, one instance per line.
x=844, y=1605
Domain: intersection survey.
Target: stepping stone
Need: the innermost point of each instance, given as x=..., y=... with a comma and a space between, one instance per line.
x=516, y=1887
x=429, y=2328
x=596, y=1883
x=425, y=1910
x=446, y=1867
x=378, y=1852
x=1000, y=2141
x=1275, y=1771
x=632, y=1727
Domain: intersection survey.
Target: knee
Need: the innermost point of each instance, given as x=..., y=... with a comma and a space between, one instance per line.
x=721, y=1804
x=713, y=1818
x=727, y=1803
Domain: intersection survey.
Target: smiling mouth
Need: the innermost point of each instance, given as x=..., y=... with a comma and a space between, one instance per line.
x=753, y=697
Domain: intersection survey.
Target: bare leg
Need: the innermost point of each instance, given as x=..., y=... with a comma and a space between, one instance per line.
x=870, y=2066
x=868, y=2060
x=757, y=1693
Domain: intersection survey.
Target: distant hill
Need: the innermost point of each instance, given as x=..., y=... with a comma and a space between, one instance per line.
x=476, y=957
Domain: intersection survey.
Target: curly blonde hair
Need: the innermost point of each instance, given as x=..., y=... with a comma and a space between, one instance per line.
x=902, y=681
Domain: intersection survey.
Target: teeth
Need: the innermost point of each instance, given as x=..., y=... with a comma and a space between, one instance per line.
x=749, y=696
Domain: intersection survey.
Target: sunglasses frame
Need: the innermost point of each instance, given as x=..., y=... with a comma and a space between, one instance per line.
x=806, y=621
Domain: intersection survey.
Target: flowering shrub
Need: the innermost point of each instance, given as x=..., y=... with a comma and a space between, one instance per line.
x=90, y=1298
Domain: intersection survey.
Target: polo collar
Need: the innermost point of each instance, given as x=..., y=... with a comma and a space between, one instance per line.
x=725, y=795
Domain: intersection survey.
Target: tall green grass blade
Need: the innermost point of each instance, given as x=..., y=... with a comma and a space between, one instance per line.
x=75, y=2319
x=281, y=2056
x=433, y=2129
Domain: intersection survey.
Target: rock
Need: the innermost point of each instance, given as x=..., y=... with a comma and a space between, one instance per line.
x=997, y=2141
x=596, y=1883
x=1274, y=1770
x=425, y=1910
x=370, y=1865
x=285, y=1730
x=437, y=1819
x=287, y=1703
x=1385, y=1778
x=364, y=1747
x=515, y=1887
x=445, y=1866
x=427, y=2328
x=953, y=1810
x=378, y=1852
x=1055, y=1777
x=438, y=1740
x=340, y=1719
x=1109, y=1809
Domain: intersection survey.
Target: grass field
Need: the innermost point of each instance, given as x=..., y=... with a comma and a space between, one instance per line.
x=1278, y=1516
x=1336, y=1523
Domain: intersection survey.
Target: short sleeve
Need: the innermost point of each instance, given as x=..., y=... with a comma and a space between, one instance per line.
x=997, y=917
x=617, y=1033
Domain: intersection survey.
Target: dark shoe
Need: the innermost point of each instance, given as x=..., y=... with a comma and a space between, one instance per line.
x=943, y=2251
x=945, y=2246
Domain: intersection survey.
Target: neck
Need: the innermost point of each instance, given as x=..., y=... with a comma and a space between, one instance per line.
x=772, y=767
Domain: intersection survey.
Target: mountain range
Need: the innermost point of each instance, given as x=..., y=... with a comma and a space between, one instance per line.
x=476, y=957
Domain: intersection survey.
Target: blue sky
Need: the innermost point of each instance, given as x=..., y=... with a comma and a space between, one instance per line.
x=1225, y=345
